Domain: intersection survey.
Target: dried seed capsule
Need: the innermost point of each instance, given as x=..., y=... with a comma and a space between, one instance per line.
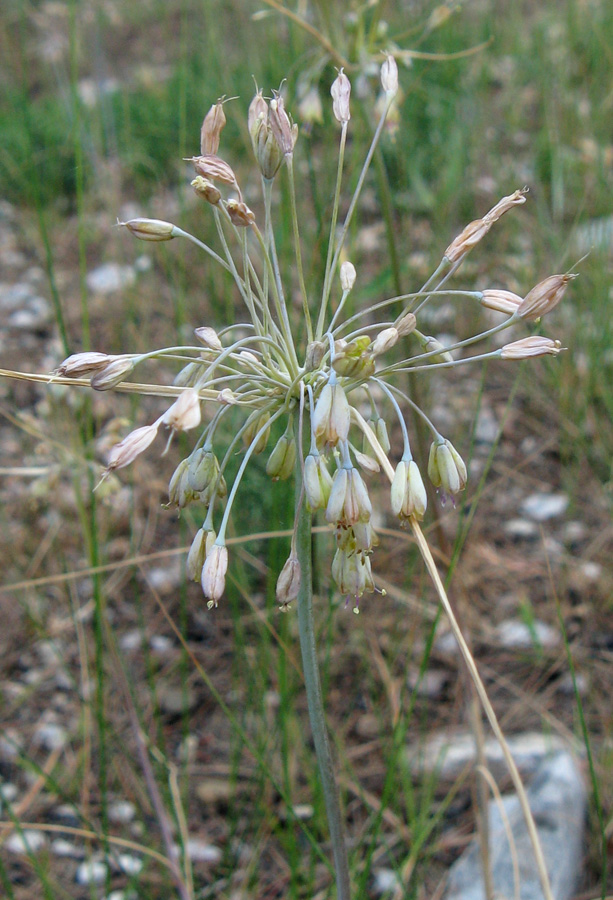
x=406, y=324
x=206, y=189
x=212, y=126
x=208, y=336
x=112, y=374
x=501, y=301
x=240, y=214
x=184, y=413
x=288, y=582
x=284, y=131
x=544, y=297
x=80, y=364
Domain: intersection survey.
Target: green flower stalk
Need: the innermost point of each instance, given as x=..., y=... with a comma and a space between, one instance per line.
x=312, y=373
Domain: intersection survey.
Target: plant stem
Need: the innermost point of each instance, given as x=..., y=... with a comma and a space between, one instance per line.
x=314, y=695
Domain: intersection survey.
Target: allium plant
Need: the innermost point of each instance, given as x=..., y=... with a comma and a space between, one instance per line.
x=315, y=373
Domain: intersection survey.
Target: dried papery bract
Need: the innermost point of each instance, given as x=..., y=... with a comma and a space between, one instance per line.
x=80, y=364
x=470, y=236
x=406, y=324
x=240, y=214
x=284, y=131
x=208, y=336
x=341, y=92
x=544, y=297
x=288, y=582
x=113, y=373
x=206, y=190
x=535, y=345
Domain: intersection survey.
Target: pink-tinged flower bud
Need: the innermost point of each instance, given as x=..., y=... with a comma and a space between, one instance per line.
x=284, y=131
x=332, y=416
x=214, y=574
x=446, y=467
x=150, y=229
x=389, y=76
x=206, y=189
x=347, y=275
x=501, y=301
x=408, y=494
x=212, y=126
x=240, y=214
x=208, y=336
x=468, y=238
x=503, y=206
x=281, y=461
x=544, y=297
x=80, y=364
x=535, y=345
x=384, y=341
x=123, y=453
x=215, y=168
x=112, y=374
x=406, y=325
x=288, y=582
x=341, y=91
x=184, y=413
x=198, y=552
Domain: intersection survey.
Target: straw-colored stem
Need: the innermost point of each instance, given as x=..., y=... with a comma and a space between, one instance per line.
x=428, y=559
x=312, y=682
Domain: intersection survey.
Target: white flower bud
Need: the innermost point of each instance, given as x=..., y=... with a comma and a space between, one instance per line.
x=408, y=493
x=208, y=336
x=150, y=229
x=406, y=324
x=288, y=582
x=332, y=415
x=80, y=364
x=341, y=91
x=535, y=345
x=501, y=301
x=198, y=552
x=384, y=341
x=184, y=413
x=123, y=453
x=446, y=467
x=389, y=76
x=348, y=275
x=214, y=573
x=112, y=374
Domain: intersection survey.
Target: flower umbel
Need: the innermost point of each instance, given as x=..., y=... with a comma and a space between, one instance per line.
x=316, y=369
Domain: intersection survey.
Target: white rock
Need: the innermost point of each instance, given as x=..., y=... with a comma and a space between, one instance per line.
x=131, y=640
x=486, y=428
x=542, y=507
x=200, y=851
x=591, y=570
x=110, y=277
x=8, y=792
x=131, y=865
x=513, y=633
x=121, y=812
x=28, y=841
x=386, y=881
x=521, y=529
x=93, y=871
x=161, y=643
x=557, y=798
x=50, y=735
x=62, y=847
x=448, y=752
x=431, y=683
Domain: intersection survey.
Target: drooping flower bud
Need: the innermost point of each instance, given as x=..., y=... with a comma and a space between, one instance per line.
x=406, y=324
x=389, y=76
x=384, y=341
x=281, y=461
x=112, y=374
x=446, y=468
x=352, y=573
x=80, y=364
x=315, y=352
x=256, y=423
x=501, y=301
x=544, y=297
x=535, y=345
x=203, y=475
x=341, y=91
x=332, y=416
x=198, y=552
x=366, y=462
x=349, y=501
x=184, y=413
x=180, y=494
x=408, y=494
x=126, y=451
x=288, y=582
x=214, y=574
x=431, y=345
x=212, y=126
x=317, y=481
x=150, y=229
x=208, y=336
x=347, y=275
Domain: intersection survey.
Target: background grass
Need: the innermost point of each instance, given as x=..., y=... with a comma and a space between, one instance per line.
x=99, y=105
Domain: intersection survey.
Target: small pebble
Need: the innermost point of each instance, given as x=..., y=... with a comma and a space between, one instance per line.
x=93, y=871
x=50, y=736
x=386, y=881
x=28, y=841
x=121, y=812
x=110, y=277
x=514, y=634
x=62, y=847
x=8, y=792
x=130, y=865
x=431, y=683
x=542, y=507
x=521, y=529
x=131, y=640
x=161, y=643
x=200, y=851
